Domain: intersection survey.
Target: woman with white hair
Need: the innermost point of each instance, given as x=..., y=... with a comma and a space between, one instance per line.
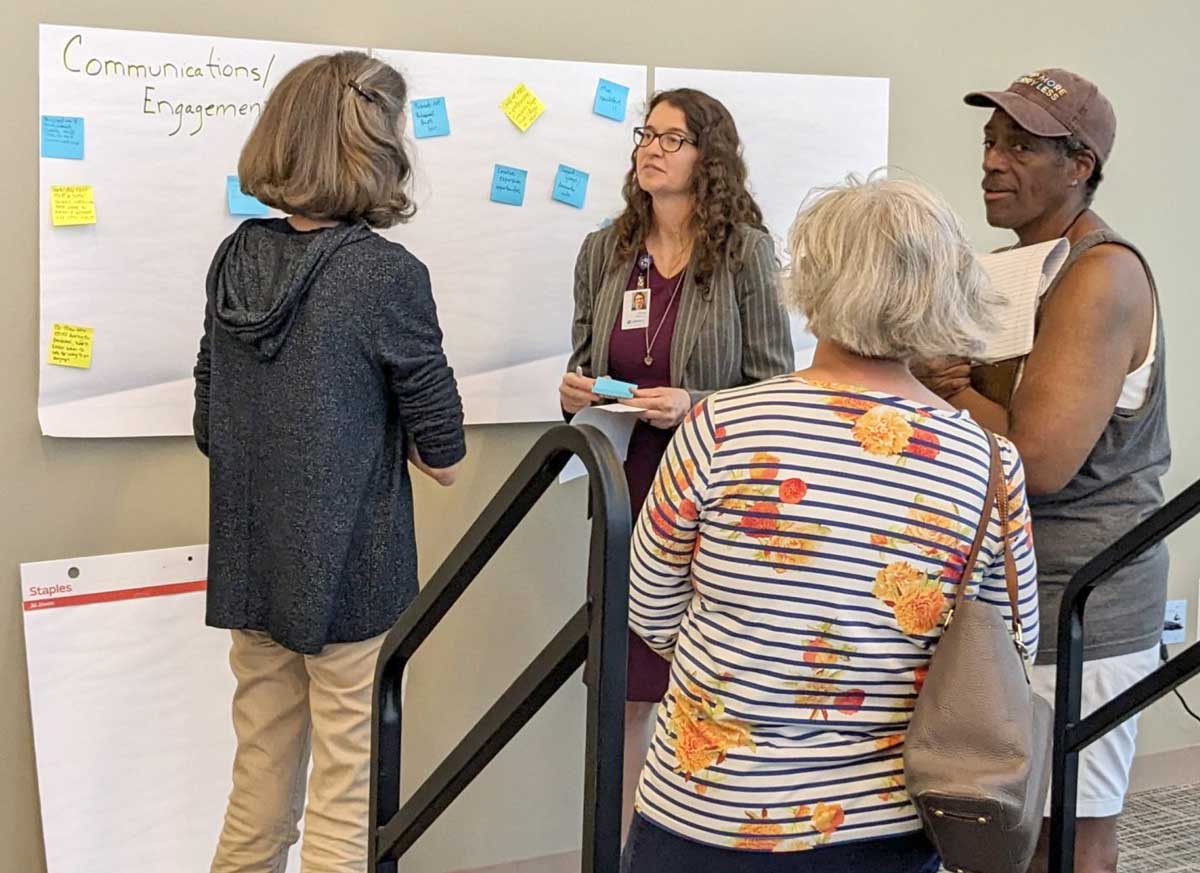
x=798, y=551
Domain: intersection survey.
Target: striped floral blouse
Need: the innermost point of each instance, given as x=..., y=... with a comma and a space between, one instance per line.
x=794, y=559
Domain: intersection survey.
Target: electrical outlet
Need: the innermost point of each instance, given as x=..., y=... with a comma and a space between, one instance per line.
x=1175, y=622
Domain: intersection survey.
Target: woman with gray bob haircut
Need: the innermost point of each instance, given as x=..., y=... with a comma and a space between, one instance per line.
x=799, y=549
x=884, y=268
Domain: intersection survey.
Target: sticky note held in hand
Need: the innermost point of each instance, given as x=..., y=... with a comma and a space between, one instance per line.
x=70, y=346
x=522, y=107
x=608, y=387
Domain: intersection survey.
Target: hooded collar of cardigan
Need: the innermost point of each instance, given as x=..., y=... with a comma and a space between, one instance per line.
x=254, y=292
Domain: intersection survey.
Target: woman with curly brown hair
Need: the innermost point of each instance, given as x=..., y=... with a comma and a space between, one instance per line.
x=692, y=240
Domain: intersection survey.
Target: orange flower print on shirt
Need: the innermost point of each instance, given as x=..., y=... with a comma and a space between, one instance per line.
x=953, y=569
x=884, y=743
x=896, y=580
x=924, y=444
x=830, y=385
x=936, y=530
x=757, y=834
x=919, y=674
x=720, y=435
x=764, y=465
x=828, y=817
x=790, y=546
x=793, y=490
x=683, y=478
x=703, y=734
x=882, y=431
x=820, y=651
x=662, y=516
x=763, y=519
x=814, y=695
x=687, y=510
x=773, y=553
x=849, y=702
x=850, y=408
x=920, y=611
x=916, y=600
x=893, y=787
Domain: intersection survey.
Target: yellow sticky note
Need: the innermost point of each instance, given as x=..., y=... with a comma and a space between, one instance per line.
x=522, y=107
x=71, y=346
x=72, y=204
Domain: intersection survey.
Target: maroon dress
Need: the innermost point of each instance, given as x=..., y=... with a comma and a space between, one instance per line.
x=648, y=672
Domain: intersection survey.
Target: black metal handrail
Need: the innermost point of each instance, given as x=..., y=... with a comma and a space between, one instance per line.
x=596, y=634
x=1071, y=733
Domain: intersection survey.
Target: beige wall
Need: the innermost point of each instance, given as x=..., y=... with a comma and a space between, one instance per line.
x=64, y=498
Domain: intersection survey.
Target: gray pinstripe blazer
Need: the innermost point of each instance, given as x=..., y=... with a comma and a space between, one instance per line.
x=732, y=332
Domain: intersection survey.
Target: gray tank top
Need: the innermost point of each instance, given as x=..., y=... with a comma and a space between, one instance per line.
x=1117, y=487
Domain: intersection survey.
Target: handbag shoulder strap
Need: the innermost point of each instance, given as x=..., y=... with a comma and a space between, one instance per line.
x=1010, y=564
x=997, y=492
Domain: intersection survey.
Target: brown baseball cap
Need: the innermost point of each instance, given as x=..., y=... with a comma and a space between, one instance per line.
x=1055, y=103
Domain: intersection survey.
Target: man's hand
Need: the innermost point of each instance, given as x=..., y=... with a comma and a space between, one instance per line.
x=945, y=377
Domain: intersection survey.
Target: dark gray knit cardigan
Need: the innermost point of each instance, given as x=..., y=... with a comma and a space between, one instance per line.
x=321, y=364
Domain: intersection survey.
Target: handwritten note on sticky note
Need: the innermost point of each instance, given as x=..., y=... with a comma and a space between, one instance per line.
x=71, y=205
x=62, y=137
x=70, y=346
x=239, y=203
x=611, y=99
x=430, y=118
x=522, y=107
x=508, y=185
x=570, y=186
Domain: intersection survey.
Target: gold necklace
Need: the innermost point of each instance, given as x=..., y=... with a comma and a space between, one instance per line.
x=650, y=341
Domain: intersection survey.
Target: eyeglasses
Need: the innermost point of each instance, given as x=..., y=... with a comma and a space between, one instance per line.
x=670, y=142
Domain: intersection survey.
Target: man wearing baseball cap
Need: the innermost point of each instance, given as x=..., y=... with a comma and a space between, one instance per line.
x=1086, y=408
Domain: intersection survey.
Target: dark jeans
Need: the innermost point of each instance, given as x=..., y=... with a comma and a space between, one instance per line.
x=650, y=849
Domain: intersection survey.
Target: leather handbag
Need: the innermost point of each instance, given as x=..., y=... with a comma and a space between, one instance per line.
x=977, y=751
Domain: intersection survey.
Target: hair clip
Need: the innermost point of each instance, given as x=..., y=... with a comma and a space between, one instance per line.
x=358, y=89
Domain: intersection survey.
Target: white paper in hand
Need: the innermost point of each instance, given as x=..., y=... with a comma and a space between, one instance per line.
x=1021, y=276
x=615, y=421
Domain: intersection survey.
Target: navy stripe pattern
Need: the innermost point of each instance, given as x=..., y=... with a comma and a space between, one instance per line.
x=795, y=560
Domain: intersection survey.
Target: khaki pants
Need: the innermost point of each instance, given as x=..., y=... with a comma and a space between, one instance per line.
x=285, y=705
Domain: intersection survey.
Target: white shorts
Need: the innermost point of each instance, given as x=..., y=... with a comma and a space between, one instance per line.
x=1104, y=765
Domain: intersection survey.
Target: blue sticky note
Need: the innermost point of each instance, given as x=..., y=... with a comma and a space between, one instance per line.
x=570, y=186
x=607, y=387
x=610, y=100
x=62, y=137
x=430, y=118
x=508, y=185
x=239, y=203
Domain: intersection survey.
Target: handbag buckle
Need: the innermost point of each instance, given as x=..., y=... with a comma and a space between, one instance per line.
x=1019, y=642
